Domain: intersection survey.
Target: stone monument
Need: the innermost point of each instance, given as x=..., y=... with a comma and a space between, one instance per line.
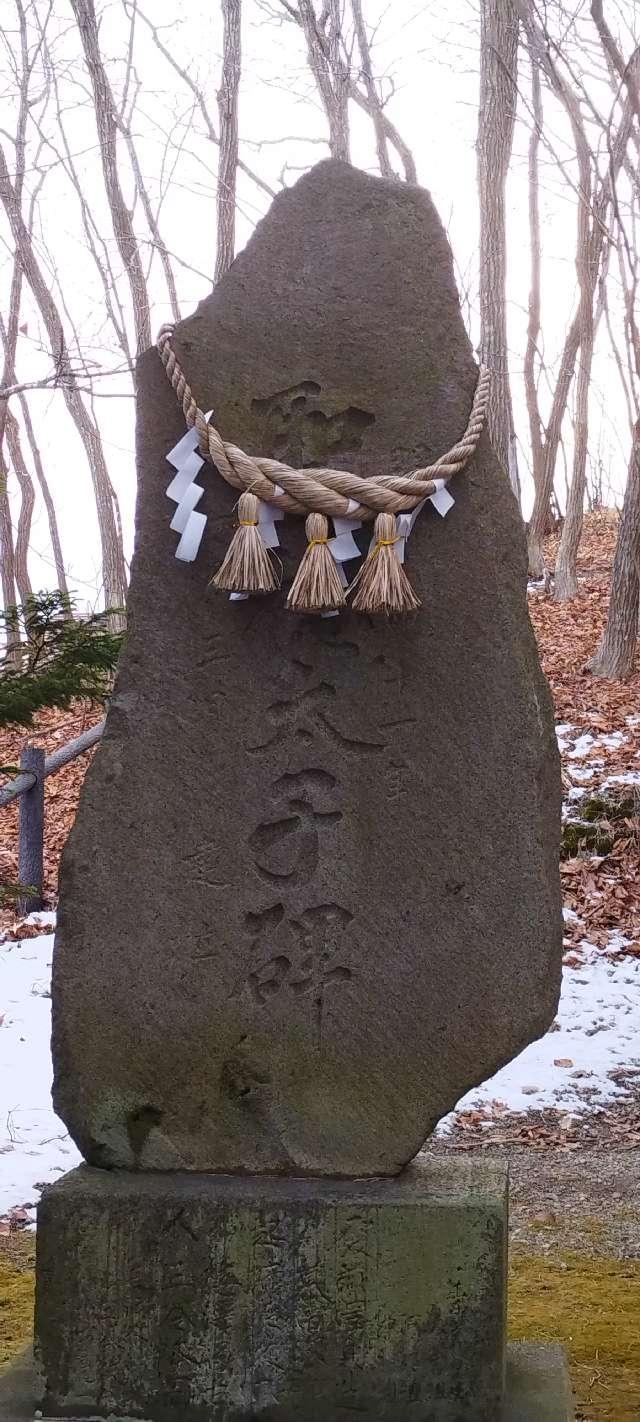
x=311, y=896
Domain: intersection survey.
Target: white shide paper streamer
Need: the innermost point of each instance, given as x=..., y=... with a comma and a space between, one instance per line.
x=343, y=546
x=186, y=494
x=184, y=491
x=442, y=502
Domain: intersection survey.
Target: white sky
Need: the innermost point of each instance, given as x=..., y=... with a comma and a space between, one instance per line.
x=431, y=54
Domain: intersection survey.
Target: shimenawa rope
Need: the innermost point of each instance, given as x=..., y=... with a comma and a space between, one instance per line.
x=333, y=492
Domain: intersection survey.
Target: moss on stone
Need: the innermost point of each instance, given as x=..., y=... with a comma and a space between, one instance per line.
x=590, y=1306
x=17, y=1256
x=607, y=807
x=578, y=837
x=603, y=819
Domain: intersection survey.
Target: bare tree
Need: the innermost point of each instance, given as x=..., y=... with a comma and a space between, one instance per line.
x=229, y=142
x=605, y=203
x=587, y=269
x=43, y=484
x=14, y=555
x=131, y=7
x=594, y=207
x=532, y=351
x=7, y=565
x=335, y=62
x=382, y=146
x=496, y=121
x=27, y=501
x=322, y=31
x=106, y=110
x=626, y=70
x=114, y=572
x=7, y=547
x=616, y=653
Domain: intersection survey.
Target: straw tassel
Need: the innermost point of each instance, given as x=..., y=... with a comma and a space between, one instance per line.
x=247, y=567
x=317, y=586
x=381, y=585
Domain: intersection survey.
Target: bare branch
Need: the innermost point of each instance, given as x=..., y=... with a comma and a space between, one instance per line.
x=496, y=122
x=228, y=120
x=112, y=556
x=535, y=290
x=371, y=91
x=626, y=71
x=106, y=119
x=361, y=98
x=198, y=95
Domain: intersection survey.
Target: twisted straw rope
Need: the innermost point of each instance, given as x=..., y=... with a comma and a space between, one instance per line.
x=327, y=491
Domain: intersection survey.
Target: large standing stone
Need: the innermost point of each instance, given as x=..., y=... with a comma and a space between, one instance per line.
x=311, y=896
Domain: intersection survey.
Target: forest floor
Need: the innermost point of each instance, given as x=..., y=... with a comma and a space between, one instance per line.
x=566, y=1113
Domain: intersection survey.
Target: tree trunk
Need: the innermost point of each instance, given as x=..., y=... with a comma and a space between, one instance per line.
x=319, y=55
x=330, y=73
x=52, y=520
x=566, y=573
x=535, y=291
x=590, y=249
x=382, y=150
x=7, y=572
x=107, y=125
x=229, y=141
x=14, y=555
x=539, y=521
x=27, y=501
x=339, y=121
x=587, y=271
x=628, y=73
x=113, y=565
x=496, y=120
x=616, y=653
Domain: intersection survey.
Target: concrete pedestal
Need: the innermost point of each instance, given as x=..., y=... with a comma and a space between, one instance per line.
x=190, y=1298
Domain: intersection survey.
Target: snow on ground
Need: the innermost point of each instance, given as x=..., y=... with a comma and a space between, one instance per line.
x=584, y=742
x=34, y=1144
x=594, y=1044
x=585, y=772
x=580, y=746
x=597, y=1032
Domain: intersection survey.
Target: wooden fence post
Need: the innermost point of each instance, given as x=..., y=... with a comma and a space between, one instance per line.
x=31, y=830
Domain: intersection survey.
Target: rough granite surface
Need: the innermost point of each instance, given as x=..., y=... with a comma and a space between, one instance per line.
x=311, y=896
x=191, y=1298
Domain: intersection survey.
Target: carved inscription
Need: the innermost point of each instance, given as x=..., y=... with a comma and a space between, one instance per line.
x=303, y=428
x=313, y=944
x=303, y=953
x=306, y=718
x=288, y=848
x=185, y=1355
x=300, y=954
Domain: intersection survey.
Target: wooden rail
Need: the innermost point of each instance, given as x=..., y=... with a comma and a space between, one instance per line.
x=29, y=786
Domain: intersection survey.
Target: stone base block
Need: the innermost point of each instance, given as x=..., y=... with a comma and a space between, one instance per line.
x=538, y=1388
x=190, y=1298
x=538, y=1384
x=19, y=1390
